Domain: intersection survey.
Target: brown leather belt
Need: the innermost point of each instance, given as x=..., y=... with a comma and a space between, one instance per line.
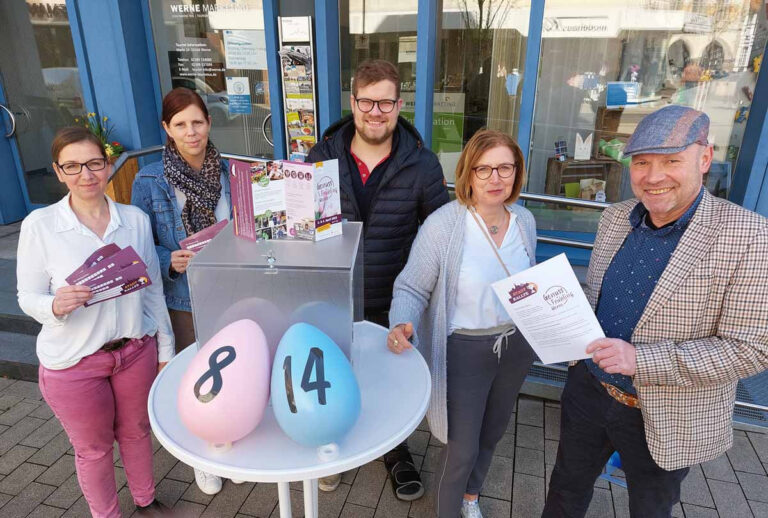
x=622, y=397
x=115, y=345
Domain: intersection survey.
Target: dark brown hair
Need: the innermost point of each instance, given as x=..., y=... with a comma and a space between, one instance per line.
x=374, y=70
x=179, y=99
x=73, y=135
x=481, y=142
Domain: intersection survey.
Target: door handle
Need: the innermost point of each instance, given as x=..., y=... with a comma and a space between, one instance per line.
x=13, y=121
x=264, y=129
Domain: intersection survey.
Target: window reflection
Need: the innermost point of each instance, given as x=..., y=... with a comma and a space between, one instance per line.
x=478, y=76
x=214, y=48
x=606, y=64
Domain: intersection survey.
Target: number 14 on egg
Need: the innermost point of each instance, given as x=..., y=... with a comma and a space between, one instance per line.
x=314, y=361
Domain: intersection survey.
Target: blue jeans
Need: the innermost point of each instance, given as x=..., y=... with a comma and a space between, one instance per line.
x=592, y=426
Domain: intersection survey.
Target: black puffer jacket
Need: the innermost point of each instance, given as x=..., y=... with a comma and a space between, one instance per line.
x=411, y=188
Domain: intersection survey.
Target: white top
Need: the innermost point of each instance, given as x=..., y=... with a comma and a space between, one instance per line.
x=476, y=305
x=52, y=244
x=268, y=455
x=222, y=208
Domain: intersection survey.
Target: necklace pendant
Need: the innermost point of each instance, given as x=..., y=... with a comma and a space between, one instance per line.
x=493, y=229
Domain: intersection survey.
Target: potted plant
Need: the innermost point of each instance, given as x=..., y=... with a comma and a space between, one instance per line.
x=102, y=129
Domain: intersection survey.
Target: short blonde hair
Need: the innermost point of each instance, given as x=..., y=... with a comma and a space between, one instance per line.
x=481, y=142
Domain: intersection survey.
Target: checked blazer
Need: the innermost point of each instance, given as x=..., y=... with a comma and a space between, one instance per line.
x=704, y=327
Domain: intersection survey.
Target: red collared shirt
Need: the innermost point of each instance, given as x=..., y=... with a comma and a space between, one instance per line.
x=363, y=169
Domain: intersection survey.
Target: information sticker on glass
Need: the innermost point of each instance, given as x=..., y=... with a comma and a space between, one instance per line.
x=239, y=95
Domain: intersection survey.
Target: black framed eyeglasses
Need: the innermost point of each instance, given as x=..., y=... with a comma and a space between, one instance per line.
x=366, y=105
x=73, y=168
x=504, y=170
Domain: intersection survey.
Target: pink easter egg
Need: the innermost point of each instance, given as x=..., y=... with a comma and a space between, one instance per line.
x=224, y=392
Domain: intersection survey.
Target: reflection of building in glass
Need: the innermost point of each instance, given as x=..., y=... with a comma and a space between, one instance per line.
x=604, y=64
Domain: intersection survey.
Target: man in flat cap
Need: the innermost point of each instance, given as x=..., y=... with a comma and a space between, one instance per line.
x=679, y=284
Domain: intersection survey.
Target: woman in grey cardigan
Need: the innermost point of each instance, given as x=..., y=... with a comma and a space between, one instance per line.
x=444, y=305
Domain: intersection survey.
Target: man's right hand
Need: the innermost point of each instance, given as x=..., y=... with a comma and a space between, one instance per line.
x=180, y=260
x=397, y=339
x=69, y=298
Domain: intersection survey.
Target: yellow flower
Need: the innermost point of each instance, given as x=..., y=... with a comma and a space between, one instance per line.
x=91, y=114
x=105, y=119
x=109, y=150
x=77, y=120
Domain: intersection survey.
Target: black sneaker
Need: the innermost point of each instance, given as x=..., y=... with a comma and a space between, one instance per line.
x=154, y=510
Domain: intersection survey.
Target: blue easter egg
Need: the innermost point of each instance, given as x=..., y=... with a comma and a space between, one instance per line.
x=315, y=395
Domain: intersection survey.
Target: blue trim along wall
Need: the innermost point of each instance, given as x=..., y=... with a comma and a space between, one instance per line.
x=750, y=186
x=425, y=58
x=328, y=63
x=531, y=76
x=115, y=44
x=271, y=37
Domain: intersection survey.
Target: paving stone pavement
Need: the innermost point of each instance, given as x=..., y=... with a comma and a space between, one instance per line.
x=37, y=474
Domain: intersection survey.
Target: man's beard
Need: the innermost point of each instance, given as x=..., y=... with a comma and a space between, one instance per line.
x=373, y=141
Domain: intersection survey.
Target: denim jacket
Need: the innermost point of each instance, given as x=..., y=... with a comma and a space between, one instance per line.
x=152, y=194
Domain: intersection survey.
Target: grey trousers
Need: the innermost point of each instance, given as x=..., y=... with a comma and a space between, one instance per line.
x=482, y=391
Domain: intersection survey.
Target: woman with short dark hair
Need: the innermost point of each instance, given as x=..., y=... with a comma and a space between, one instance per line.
x=443, y=303
x=183, y=194
x=97, y=363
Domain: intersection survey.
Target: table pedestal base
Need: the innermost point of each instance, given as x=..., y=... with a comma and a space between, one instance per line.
x=310, y=498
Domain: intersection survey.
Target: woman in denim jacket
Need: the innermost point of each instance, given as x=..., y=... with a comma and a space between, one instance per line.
x=183, y=194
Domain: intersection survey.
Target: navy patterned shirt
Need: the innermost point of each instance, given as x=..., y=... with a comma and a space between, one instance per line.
x=631, y=278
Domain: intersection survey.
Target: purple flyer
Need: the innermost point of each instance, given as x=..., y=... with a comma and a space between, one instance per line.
x=198, y=240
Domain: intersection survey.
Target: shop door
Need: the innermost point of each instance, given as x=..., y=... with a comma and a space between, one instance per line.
x=40, y=91
x=218, y=49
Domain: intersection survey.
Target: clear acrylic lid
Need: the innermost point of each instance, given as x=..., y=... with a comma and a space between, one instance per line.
x=334, y=253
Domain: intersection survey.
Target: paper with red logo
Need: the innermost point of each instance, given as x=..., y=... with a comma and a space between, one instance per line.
x=548, y=306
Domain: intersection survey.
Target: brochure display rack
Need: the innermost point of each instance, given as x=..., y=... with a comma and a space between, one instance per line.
x=278, y=283
x=298, y=78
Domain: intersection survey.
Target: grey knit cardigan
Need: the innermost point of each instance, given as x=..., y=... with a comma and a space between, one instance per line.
x=424, y=290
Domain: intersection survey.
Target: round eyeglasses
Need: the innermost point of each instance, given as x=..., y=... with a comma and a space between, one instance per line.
x=366, y=105
x=73, y=168
x=504, y=170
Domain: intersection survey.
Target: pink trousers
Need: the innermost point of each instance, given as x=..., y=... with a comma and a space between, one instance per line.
x=101, y=399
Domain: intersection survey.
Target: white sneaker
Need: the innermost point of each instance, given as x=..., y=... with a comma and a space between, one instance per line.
x=329, y=483
x=470, y=509
x=208, y=484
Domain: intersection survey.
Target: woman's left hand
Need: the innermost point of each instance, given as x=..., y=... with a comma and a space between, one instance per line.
x=160, y=366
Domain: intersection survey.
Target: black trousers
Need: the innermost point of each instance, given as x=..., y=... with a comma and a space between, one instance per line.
x=592, y=426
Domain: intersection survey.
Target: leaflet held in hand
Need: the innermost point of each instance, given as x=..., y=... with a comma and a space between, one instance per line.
x=111, y=272
x=548, y=306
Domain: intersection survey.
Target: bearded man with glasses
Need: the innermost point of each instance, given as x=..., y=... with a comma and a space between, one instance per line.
x=391, y=182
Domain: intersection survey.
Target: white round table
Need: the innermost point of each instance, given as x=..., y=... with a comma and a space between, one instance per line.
x=394, y=391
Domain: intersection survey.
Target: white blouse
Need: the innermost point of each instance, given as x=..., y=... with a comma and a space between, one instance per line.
x=52, y=244
x=476, y=305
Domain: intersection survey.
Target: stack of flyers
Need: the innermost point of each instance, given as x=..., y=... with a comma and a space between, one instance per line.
x=198, y=240
x=111, y=272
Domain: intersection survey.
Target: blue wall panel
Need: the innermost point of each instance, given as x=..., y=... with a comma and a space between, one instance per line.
x=425, y=59
x=328, y=63
x=114, y=38
x=748, y=187
x=531, y=71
